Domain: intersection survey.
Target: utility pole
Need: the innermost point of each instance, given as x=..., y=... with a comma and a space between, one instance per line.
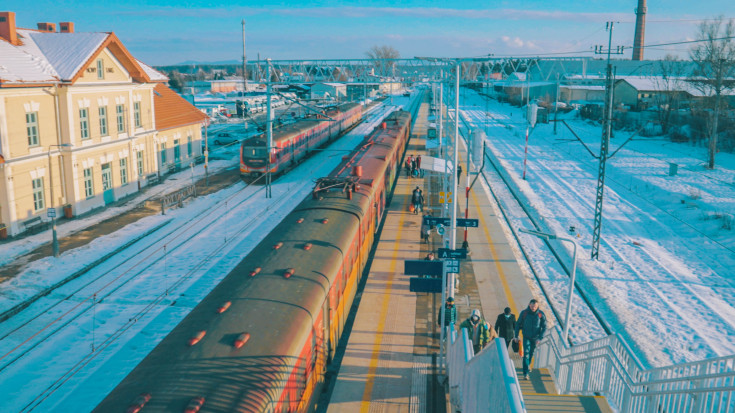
x=606, y=131
x=556, y=104
x=455, y=180
x=269, y=128
x=244, y=79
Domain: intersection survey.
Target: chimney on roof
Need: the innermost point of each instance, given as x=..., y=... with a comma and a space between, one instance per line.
x=7, y=27
x=66, y=27
x=46, y=27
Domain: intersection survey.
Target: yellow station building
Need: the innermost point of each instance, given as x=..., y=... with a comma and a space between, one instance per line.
x=82, y=124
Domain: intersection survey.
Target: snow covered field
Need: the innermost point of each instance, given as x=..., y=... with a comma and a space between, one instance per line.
x=69, y=349
x=665, y=280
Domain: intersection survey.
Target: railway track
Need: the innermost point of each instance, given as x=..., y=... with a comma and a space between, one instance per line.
x=129, y=291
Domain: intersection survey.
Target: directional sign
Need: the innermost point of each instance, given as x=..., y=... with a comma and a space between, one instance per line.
x=425, y=285
x=422, y=267
x=51, y=212
x=437, y=221
x=453, y=254
x=451, y=266
x=468, y=222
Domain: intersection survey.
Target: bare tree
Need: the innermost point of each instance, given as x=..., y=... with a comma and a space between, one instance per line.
x=714, y=70
x=384, y=57
x=668, y=79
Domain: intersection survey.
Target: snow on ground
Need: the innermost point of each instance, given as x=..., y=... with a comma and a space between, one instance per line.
x=665, y=280
x=109, y=319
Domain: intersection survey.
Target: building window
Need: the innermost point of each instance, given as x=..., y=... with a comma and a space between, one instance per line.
x=88, y=183
x=163, y=153
x=177, y=152
x=84, y=123
x=32, y=128
x=103, y=120
x=140, y=163
x=100, y=69
x=120, y=109
x=123, y=171
x=188, y=146
x=38, y=203
x=136, y=114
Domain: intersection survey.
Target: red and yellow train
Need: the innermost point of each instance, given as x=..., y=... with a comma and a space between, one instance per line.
x=294, y=142
x=262, y=339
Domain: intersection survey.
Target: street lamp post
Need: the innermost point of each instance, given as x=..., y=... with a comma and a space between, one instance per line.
x=546, y=236
x=54, y=240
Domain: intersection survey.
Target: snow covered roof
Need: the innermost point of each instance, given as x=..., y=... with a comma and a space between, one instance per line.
x=152, y=73
x=65, y=52
x=583, y=87
x=50, y=57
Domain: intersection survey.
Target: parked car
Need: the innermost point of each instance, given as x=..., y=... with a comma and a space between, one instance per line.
x=224, y=138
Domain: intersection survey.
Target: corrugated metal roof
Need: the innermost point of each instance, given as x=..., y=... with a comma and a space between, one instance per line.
x=173, y=111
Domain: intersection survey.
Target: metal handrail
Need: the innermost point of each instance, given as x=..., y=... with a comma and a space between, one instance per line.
x=483, y=382
x=599, y=367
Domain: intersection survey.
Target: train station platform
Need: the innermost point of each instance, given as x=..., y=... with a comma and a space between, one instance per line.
x=390, y=360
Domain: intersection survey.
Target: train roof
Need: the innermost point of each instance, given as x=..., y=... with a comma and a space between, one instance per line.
x=292, y=129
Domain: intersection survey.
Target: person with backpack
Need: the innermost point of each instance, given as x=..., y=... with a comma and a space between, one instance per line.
x=417, y=198
x=532, y=321
x=479, y=331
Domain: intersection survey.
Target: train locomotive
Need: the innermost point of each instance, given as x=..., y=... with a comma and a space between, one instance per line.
x=262, y=339
x=293, y=142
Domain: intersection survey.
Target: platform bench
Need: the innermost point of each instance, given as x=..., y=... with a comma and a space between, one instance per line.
x=33, y=224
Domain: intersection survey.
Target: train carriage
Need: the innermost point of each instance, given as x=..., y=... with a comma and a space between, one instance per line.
x=284, y=305
x=293, y=142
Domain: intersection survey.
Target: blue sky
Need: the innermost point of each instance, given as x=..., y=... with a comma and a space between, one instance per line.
x=168, y=32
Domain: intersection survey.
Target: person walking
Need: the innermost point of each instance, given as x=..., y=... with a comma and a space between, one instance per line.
x=532, y=321
x=418, y=166
x=417, y=198
x=459, y=173
x=505, y=325
x=413, y=167
x=425, y=228
x=450, y=313
x=479, y=331
x=408, y=166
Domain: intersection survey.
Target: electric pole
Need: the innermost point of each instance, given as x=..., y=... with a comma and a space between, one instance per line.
x=606, y=131
x=269, y=128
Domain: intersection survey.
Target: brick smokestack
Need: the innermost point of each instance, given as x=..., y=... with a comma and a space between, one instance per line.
x=640, y=30
x=7, y=27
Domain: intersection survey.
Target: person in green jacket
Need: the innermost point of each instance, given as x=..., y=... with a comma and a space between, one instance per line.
x=451, y=313
x=479, y=330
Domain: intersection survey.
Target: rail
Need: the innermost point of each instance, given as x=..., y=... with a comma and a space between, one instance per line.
x=485, y=382
x=607, y=366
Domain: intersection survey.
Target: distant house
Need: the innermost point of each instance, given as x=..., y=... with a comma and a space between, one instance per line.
x=328, y=91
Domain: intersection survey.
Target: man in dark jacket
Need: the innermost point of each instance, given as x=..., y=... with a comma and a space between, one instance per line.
x=450, y=313
x=533, y=323
x=505, y=325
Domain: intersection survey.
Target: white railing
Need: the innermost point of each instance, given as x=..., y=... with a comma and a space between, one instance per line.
x=607, y=366
x=485, y=382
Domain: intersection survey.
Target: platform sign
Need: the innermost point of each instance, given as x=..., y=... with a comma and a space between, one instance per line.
x=422, y=267
x=468, y=222
x=425, y=285
x=452, y=254
x=432, y=221
x=51, y=212
x=451, y=266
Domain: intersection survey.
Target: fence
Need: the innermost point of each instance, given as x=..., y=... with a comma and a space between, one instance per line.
x=485, y=382
x=177, y=198
x=607, y=366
